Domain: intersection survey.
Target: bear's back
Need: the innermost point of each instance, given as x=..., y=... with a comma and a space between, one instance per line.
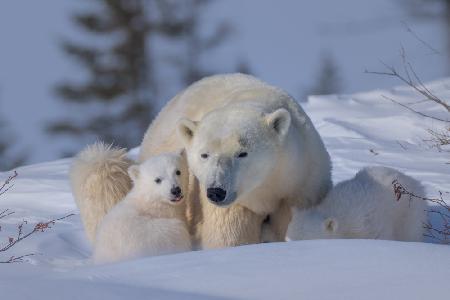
x=206, y=95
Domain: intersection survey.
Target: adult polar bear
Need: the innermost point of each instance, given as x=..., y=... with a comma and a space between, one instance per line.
x=252, y=152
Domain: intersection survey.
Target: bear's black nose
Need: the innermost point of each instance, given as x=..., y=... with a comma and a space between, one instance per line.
x=176, y=191
x=216, y=194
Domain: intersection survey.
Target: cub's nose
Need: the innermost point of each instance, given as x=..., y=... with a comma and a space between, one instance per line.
x=176, y=191
x=216, y=194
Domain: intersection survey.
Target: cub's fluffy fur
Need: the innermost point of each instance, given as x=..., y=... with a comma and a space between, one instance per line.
x=151, y=219
x=365, y=207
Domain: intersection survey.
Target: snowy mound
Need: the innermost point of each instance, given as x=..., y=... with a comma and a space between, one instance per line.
x=358, y=130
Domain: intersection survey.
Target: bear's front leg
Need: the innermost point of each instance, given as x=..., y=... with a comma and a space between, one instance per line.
x=229, y=227
x=275, y=226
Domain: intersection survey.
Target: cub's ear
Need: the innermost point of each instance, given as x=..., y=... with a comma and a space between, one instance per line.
x=186, y=129
x=133, y=171
x=330, y=225
x=279, y=120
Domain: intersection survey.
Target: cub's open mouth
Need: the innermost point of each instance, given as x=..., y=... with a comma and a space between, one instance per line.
x=177, y=199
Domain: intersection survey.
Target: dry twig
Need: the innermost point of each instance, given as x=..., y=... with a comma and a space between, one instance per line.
x=7, y=183
x=422, y=41
x=410, y=78
x=441, y=234
x=20, y=236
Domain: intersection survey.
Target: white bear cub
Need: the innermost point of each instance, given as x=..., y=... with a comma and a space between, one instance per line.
x=151, y=219
x=364, y=207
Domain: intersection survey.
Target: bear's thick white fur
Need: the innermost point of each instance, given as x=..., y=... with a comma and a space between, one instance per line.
x=99, y=179
x=365, y=207
x=226, y=115
x=151, y=219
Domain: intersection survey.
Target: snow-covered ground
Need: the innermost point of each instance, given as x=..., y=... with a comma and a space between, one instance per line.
x=359, y=130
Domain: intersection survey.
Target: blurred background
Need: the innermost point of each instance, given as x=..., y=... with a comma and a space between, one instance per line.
x=73, y=72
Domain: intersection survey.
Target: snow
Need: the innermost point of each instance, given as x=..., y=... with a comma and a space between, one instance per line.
x=351, y=126
x=343, y=269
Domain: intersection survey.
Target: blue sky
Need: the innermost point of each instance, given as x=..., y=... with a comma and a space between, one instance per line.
x=282, y=40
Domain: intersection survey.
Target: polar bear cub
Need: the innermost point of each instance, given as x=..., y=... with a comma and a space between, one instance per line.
x=364, y=207
x=150, y=220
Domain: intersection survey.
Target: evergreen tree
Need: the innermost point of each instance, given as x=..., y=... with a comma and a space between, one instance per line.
x=244, y=67
x=328, y=79
x=195, y=42
x=126, y=74
x=115, y=102
x=8, y=158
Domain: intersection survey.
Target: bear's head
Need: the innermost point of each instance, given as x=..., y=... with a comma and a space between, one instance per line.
x=232, y=150
x=162, y=177
x=311, y=224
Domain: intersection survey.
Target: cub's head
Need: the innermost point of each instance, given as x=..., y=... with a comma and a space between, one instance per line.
x=162, y=177
x=232, y=151
x=311, y=224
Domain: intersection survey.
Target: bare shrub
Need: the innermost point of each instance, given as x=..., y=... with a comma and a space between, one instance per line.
x=21, y=233
x=437, y=228
x=441, y=211
x=439, y=138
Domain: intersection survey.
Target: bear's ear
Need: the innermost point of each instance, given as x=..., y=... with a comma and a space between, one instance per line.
x=279, y=120
x=186, y=129
x=330, y=225
x=133, y=171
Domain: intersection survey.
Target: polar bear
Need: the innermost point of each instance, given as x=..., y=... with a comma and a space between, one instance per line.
x=365, y=207
x=252, y=150
x=151, y=219
x=252, y=153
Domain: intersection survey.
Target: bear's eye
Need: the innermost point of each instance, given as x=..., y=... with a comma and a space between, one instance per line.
x=242, y=154
x=158, y=180
x=204, y=155
x=178, y=172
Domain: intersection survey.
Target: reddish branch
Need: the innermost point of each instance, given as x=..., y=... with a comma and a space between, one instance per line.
x=440, y=234
x=20, y=236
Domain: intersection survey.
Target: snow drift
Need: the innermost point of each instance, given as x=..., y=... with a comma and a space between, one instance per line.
x=358, y=130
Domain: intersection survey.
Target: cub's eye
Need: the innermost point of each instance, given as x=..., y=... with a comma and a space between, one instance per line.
x=242, y=154
x=158, y=180
x=204, y=155
x=178, y=172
